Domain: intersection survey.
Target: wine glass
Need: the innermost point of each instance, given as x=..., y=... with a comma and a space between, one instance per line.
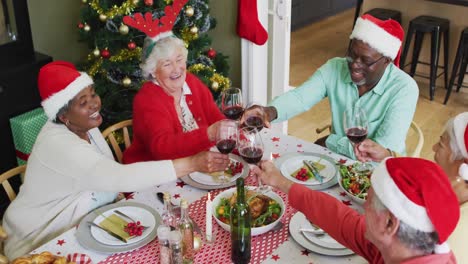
x=355, y=125
x=251, y=148
x=231, y=103
x=226, y=139
x=254, y=118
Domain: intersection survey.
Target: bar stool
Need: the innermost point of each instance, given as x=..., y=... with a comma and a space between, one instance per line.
x=436, y=26
x=462, y=55
x=384, y=14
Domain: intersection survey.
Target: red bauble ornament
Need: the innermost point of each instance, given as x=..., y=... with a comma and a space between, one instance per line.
x=105, y=53
x=80, y=25
x=211, y=53
x=149, y=2
x=131, y=45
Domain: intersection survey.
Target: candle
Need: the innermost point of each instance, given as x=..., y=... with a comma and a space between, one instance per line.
x=209, y=223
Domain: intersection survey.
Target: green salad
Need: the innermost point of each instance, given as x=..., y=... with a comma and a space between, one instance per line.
x=354, y=181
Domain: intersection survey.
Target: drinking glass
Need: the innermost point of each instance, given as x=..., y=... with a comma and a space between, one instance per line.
x=231, y=103
x=226, y=140
x=355, y=125
x=254, y=118
x=251, y=148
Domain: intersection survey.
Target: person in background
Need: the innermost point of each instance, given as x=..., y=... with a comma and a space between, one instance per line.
x=174, y=113
x=366, y=77
x=71, y=170
x=451, y=153
x=404, y=221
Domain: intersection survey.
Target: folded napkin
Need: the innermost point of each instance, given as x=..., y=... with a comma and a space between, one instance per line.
x=116, y=225
x=79, y=258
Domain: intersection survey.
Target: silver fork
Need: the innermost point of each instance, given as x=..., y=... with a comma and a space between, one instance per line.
x=128, y=217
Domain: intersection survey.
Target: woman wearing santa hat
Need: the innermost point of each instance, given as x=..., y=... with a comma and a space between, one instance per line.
x=451, y=153
x=174, y=114
x=410, y=212
x=71, y=170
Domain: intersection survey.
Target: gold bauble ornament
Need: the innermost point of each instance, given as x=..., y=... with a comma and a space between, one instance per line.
x=194, y=30
x=126, y=81
x=135, y=2
x=86, y=28
x=123, y=29
x=96, y=52
x=189, y=11
x=215, y=85
x=102, y=17
x=84, y=1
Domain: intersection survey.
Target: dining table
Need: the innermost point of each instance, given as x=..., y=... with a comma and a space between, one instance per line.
x=272, y=247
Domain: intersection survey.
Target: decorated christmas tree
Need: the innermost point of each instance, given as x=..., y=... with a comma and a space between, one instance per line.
x=115, y=49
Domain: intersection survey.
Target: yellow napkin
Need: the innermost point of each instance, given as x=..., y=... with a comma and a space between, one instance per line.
x=116, y=224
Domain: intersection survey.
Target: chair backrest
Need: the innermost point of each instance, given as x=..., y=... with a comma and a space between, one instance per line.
x=108, y=134
x=7, y=175
x=419, y=145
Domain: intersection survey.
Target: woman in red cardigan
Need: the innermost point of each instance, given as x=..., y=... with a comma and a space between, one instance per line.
x=174, y=114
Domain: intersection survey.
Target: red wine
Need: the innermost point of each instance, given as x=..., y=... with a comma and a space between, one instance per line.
x=251, y=155
x=254, y=121
x=233, y=112
x=240, y=227
x=356, y=134
x=225, y=146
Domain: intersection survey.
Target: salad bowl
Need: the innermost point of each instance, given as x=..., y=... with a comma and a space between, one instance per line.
x=354, y=183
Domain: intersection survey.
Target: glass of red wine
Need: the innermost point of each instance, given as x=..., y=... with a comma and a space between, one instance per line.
x=251, y=148
x=253, y=117
x=226, y=139
x=355, y=125
x=231, y=103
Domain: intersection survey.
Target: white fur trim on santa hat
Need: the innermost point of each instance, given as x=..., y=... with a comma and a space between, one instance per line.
x=443, y=248
x=56, y=101
x=459, y=127
x=162, y=35
x=403, y=208
x=376, y=37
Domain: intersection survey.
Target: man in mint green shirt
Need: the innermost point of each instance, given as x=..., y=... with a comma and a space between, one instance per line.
x=366, y=78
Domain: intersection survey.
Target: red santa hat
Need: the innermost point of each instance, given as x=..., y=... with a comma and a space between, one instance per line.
x=460, y=128
x=384, y=36
x=59, y=82
x=418, y=192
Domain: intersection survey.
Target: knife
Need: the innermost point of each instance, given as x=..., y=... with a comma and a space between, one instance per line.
x=176, y=208
x=313, y=170
x=108, y=232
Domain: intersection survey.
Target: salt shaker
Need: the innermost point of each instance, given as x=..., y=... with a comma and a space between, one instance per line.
x=164, y=247
x=175, y=240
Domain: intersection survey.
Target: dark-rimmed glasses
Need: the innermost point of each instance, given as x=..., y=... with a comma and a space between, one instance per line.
x=350, y=59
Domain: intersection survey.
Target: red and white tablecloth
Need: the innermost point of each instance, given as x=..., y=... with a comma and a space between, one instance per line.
x=272, y=247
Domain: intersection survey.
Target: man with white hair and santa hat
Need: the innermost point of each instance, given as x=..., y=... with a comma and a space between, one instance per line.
x=366, y=78
x=410, y=212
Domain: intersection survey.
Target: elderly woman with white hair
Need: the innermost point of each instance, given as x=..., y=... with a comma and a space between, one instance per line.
x=174, y=114
x=451, y=153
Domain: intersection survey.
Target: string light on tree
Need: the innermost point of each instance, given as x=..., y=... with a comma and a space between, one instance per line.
x=105, y=53
x=189, y=11
x=86, y=28
x=123, y=29
x=102, y=17
x=194, y=30
x=96, y=52
x=131, y=45
x=126, y=81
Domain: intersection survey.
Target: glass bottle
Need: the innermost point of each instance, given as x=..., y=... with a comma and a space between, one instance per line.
x=175, y=241
x=164, y=246
x=186, y=229
x=168, y=216
x=240, y=227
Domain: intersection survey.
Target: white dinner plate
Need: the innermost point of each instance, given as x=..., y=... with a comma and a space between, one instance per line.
x=207, y=182
x=136, y=213
x=215, y=180
x=295, y=224
x=295, y=162
x=86, y=239
x=323, y=240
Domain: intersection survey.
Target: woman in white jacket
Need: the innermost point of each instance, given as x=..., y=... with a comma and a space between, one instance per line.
x=71, y=170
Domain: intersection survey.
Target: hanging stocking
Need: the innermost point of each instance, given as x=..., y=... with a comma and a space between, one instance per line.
x=248, y=26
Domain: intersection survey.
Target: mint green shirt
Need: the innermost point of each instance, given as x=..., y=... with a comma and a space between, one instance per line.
x=389, y=106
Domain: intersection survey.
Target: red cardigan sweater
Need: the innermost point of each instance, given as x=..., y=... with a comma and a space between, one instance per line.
x=157, y=132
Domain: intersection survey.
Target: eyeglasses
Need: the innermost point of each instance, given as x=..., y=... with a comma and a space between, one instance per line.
x=361, y=63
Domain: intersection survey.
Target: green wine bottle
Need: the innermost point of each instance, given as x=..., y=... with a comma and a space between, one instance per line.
x=240, y=227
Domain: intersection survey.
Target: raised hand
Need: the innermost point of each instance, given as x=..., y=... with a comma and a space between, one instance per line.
x=369, y=150
x=209, y=161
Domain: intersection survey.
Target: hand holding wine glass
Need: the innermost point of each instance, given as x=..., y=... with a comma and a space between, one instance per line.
x=231, y=103
x=226, y=139
x=355, y=125
x=253, y=117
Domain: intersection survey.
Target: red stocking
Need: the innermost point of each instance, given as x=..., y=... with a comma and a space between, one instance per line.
x=248, y=26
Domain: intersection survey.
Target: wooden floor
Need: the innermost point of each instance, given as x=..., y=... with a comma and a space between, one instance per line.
x=313, y=45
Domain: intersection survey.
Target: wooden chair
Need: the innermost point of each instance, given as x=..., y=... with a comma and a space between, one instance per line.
x=11, y=195
x=107, y=134
x=417, y=150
